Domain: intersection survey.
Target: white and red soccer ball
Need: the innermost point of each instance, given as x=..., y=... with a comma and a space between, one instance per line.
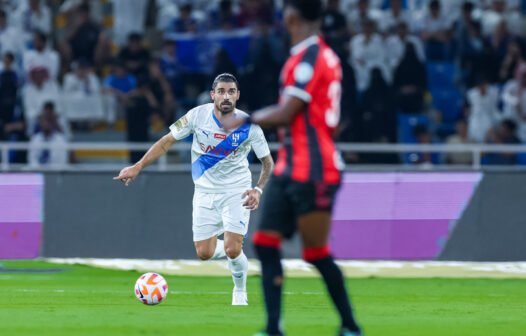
x=151, y=288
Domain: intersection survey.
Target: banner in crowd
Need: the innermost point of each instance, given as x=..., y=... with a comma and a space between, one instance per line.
x=197, y=52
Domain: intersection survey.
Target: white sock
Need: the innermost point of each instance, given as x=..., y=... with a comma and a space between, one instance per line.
x=220, y=250
x=239, y=269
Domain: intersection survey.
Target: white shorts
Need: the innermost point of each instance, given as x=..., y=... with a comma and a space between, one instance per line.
x=214, y=214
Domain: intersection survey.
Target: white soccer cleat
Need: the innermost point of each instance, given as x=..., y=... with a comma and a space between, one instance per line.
x=239, y=298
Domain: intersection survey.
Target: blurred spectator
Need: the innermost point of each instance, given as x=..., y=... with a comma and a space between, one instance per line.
x=500, y=40
x=12, y=123
x=10, y=40
x=482, y=109
x=502, y=133
x=368, y=52
x=223, y=63
x=463, y=26
x=423, y=137
x=334, y=26
x=351, y=117
x=117, y=87
x=82, y=94
x=138, y=112
x=515, y=104
x=8, y=92
x=223, y=17
x=38, y=91
x=498, y=12
x=378, y=113
x=84, y=40
x=459, y=138
x=255, y=12
x=410, y=82
x=392, y=17
x=186, y=22
x=510, y=62
x=479, y=58
x=435, y=32
x=135, y=56
x=171, y=68
x=32, y=16
x=49, y=133
x=162, y=92
x=81, y=82
x=396, y=45
x=357, y=17
x=42, y=57
x=129, y=17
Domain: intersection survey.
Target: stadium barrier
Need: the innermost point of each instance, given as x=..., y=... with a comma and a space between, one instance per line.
x=476, y=150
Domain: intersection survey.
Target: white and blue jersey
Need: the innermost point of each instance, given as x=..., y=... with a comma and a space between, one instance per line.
x=219, y=158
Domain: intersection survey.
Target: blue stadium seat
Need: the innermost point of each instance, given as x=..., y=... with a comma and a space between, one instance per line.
x=447, y=101
x=440, y=75
x=521, y=158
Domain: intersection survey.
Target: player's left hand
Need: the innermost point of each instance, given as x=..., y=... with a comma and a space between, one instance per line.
x=230, y=122
x=252, y=201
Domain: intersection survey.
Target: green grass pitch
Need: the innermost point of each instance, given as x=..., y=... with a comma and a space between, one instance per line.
x=90, y=301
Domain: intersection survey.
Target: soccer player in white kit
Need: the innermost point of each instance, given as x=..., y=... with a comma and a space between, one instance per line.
x=223, y=196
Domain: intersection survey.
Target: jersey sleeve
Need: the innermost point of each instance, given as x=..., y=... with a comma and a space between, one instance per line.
x=184, y=126
x=258, y=142
x=301, y=76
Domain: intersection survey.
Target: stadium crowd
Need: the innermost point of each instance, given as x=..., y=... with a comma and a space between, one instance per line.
x=414, y=71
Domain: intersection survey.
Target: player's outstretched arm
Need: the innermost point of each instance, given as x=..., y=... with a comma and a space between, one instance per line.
x=275, y=115
x=254, y=195
x=158, y=149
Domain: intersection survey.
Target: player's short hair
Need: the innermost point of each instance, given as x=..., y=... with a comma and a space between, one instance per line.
x=225, y=78
x=310, y=10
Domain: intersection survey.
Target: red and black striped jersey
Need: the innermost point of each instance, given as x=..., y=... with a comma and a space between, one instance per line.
x=313, y=74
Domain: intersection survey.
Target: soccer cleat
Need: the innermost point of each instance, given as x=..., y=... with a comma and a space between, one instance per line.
x=347, y=332
x=239, y=298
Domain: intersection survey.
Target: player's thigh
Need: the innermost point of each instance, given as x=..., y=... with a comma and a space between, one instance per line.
x=313, y=207
x=277, y=212
x=206, y=218
x=314, y=228
x=234, y=215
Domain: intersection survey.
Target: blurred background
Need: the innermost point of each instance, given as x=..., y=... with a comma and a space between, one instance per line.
x=87, y=86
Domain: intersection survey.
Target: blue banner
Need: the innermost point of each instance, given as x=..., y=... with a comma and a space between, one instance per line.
x=196, y=52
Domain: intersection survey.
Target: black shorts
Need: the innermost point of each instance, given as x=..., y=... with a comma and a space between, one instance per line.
x=285, y=200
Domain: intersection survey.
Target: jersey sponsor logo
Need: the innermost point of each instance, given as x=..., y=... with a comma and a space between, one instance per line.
x=220, y=136
x=218, y=150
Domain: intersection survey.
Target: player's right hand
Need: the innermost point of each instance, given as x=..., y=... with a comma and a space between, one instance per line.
x=128, y=174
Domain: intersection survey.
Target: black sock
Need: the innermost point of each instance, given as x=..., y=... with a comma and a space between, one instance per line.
x=333, y=278
x=272, y=279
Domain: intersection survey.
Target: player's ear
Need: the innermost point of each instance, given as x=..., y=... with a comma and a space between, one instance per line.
x=238, y=94
x=212, y=94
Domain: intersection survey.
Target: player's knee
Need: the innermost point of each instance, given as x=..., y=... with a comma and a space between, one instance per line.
x=204, y=254
x=311, y=254
x=232, y=251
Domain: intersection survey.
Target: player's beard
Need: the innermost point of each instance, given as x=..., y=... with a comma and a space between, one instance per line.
x=226, y=109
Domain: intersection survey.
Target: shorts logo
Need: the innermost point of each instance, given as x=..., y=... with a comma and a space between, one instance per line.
x=220, y=136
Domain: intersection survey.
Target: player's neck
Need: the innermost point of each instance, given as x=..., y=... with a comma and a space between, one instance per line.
x=303, y=33
x=219, y=115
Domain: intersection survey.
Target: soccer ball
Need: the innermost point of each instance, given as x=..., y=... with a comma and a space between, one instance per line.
x=151, y=288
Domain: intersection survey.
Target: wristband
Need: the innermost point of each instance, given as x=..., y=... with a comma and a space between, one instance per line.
x=248, y=120
x=259, y=189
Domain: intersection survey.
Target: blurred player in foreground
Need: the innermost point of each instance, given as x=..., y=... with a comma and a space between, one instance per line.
x=223, y=194
x=307, y=174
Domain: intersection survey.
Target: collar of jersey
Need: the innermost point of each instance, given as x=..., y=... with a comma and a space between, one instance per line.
x=299, y=47
x=217, y=120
